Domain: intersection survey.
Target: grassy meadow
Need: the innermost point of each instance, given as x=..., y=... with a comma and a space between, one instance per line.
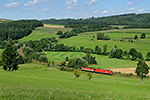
x=43, y=32
x=39, y=82
x=122, y=33
x=102, y=61
x=78, y=41
x=47, y=83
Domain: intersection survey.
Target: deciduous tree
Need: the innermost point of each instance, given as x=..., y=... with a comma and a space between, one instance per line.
x=142, y=69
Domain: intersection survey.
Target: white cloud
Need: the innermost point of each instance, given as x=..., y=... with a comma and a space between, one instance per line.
x=104, y=12
x=13, y=4
x=96, y=11
x=33, y=4
x=130, y=8
x=86, y=2
x=141, y=10
x=71, y=5
x=129, y=3
x=29, y=8
x=89, y=3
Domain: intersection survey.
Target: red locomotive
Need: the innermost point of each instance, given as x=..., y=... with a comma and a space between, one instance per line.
x=97, y=70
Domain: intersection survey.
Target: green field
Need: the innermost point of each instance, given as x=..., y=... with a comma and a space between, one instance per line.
x=79, y=41
x=43, y=32
x=136, y=31
x=102, y=61
x=37, y=82
x=122, y=33
x=54, y=24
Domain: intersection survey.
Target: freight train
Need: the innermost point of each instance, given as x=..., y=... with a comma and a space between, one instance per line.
x=97, y=70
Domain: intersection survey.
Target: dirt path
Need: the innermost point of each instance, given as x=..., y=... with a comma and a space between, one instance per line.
x=19, y=51
x=125, y=70
x=53, y=26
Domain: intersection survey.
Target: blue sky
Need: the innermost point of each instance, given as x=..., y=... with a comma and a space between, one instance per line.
x=47, y=9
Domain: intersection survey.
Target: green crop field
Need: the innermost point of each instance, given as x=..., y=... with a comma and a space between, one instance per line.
x=38, y=82
x=78, y=41
x=43, y=32
x=102, y=61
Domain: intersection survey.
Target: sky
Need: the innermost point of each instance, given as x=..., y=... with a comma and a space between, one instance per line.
x=58, y=9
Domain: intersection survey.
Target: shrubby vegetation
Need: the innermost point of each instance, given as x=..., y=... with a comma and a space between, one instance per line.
x=66, y=34
x=143, y=36
x=90, y=59
x=120, y=54
x=148, y=56
x=77, y=63
x=77, y=73
x=101, y=36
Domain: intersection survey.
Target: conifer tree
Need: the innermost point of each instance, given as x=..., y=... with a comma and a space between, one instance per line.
x=9, y=59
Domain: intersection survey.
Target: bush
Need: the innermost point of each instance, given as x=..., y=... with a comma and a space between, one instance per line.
x=43, y=58
x=89, y=75
x=27, y=59
x=135, y=37
x=20, y=60
x=143, y=36
x=63, y=63
x=77, y=73
x=61, y=68
x=67, y=58
x=27, y=50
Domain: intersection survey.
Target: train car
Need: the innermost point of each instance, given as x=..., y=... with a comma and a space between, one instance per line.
x=103, y=71
x=97, y=70
x=88, y=69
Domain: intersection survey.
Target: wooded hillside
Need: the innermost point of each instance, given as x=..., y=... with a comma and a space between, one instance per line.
x=17, y=29
x=125, y=19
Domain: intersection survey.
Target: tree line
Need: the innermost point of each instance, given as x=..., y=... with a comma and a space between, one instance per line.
x=133, y=20
x=17, y=29
x=77, y=28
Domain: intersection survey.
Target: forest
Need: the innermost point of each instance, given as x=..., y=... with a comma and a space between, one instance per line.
x=131, y=20
x=17, y=29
